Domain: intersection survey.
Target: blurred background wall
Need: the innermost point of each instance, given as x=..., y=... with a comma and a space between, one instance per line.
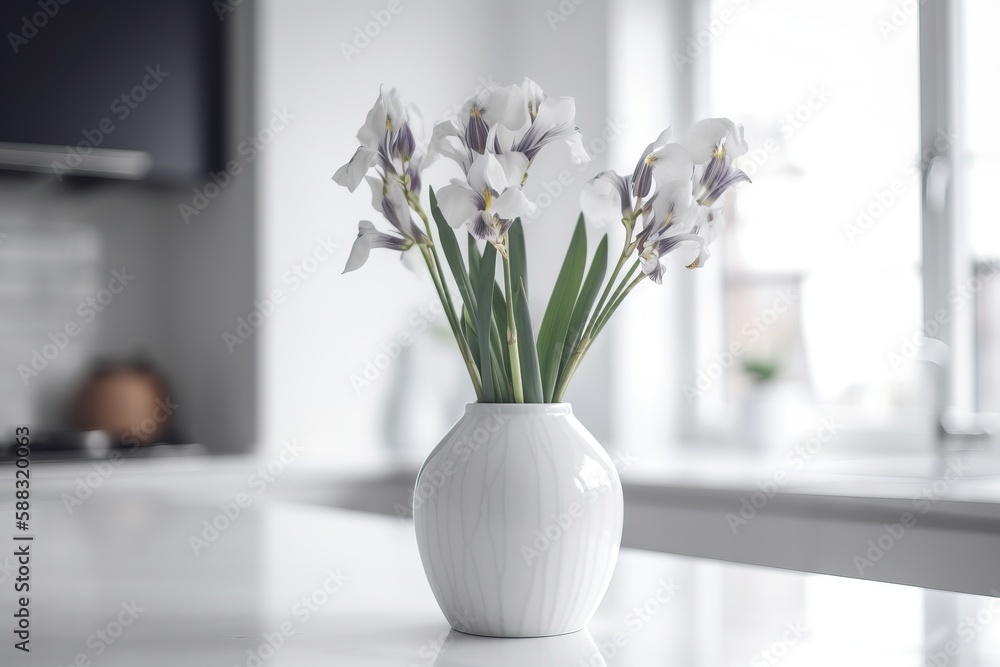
x=63, y=239
x=871, y=202
x=332, y=327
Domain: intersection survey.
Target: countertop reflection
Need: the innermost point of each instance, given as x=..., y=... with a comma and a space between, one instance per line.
x=173, y=581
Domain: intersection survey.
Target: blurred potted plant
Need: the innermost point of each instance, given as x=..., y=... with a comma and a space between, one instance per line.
x=767, y=406
x=518, y=511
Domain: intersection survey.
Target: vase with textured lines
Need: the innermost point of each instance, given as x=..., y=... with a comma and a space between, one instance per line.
x=518, y=514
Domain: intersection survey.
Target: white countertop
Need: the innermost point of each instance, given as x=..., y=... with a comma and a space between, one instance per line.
x=120, y=559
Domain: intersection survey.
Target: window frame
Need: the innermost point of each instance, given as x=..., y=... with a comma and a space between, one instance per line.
x=947, y=261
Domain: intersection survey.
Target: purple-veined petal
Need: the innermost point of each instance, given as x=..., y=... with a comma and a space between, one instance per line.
x=505, y=105
x=481, y=226
x=689, y=249
x=533, y=96
x=556, y=119
x=653, y=268
x=605, y=199
x=368, y=238
x=512, y=204
x=377, y=186
x=710, y=223
x=447, y=141
x=492, y=144
x=458, y=204
x=514, y=167
x=397, y=211
x=403, y=143
x=621, y=185
x=373, y=131
x=486, y=173
x=725, y=179
x=556, y=111
x=736, y=145
x=671, y=162
x=390, y=242
x=387, y=114
x=703, y=138
x=642, y=175
x=385, y=160
x=699, y=261
x=658, y=142
x=413, y=170
x=415, y=120
x=673, y=208
x=503, y=226
x=395, y=109
x=503, y=139
x=642, y=179
x=443, y=130
x=476, y=130
x=352, y=173
x=577, y=152
x=362, y=247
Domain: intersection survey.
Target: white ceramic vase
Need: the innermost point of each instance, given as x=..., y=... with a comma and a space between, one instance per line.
x=518, y=514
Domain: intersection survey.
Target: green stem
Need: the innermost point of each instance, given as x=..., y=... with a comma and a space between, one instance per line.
x=617, y=302
x=588, y=334
x=463, y=344
x=585, y=340
x=515, y=356
x=434, y=261
x=600, y=316
x=415, y=204
x=571, y=364
x=626, y=250
x=506, y=392
x=449, y=305
x=589, y=338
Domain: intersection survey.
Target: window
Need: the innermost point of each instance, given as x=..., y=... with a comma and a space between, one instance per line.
x=979, y=171
x=838, y=258
x=820, y=272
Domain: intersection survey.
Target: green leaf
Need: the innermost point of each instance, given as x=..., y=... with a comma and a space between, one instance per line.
x=530, y=377
x=484, y=295
x=497, y=391
x=555, y=324
x=453, y=255
x=585, y=301
x=469, y=329
x=498, y=338
x=518, y=256
x=501, y=388
x=474, y=256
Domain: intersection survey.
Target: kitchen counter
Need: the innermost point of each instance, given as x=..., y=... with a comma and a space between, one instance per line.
x=148, y=580
x=758, y=512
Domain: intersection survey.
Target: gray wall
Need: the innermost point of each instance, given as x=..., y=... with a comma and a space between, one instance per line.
x=437, y=54
x=63, y=240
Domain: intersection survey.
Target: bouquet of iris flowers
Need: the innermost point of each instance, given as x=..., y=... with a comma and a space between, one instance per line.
x=670, y=204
